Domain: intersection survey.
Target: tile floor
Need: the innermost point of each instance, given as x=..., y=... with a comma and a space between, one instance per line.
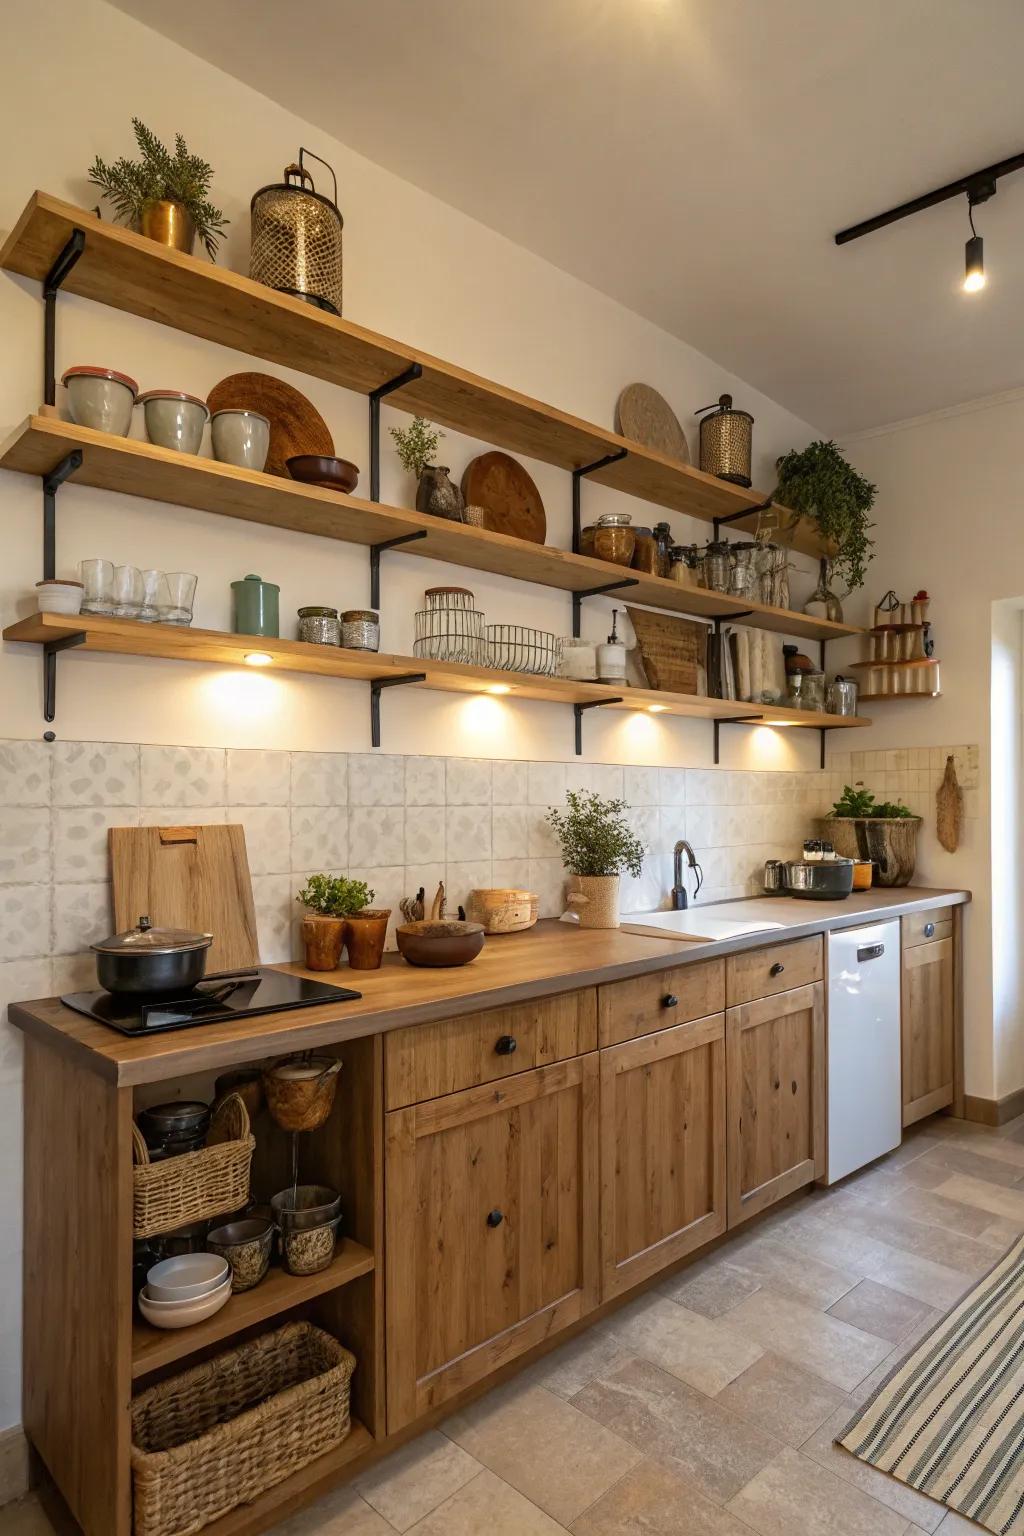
x=708, y=1406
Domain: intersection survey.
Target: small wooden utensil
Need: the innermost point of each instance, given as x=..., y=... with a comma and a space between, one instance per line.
x=296, y=426
x=511, y=502
x=949, y=808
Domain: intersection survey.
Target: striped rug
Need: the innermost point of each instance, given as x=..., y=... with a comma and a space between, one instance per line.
x=949, y=1421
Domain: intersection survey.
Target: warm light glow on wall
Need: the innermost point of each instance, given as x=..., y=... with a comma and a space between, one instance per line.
x=499, y=688
x=239, y=697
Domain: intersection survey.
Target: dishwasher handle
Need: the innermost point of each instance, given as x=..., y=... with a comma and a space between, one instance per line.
x=871, y=952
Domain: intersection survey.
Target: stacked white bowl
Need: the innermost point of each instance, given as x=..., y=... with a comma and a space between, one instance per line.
x=185, y=1290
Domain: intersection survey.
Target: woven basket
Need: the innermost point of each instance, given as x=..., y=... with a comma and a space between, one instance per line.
x=222, y=1433
x=196, y=1185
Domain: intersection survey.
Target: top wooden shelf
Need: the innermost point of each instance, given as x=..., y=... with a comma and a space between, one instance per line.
x=128, y=272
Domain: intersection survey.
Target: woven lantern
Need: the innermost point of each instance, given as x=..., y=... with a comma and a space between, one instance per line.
x=725, y=439
x=297, y=236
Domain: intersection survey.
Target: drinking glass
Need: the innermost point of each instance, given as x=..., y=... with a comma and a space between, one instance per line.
x=127, y=592
x=181, y=592
x=97, y=578
x=155, y=596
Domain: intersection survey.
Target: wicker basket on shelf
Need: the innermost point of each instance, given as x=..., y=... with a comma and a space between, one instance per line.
x=224, y=1432
x=196, y=1185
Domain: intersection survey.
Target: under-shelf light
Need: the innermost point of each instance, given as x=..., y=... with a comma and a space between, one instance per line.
x=498, y=688
x=258, y=659
x=656, y=709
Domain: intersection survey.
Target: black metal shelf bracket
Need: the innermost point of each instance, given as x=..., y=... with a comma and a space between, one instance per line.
x=51, y=485
x=376, y=688
x=375, y=554
x=721, y=720
x=578, y=709
x=414, y=371
x=735, y=517
x=51, y=650
x=51, y=286
x=610, y=586
x=577, y=477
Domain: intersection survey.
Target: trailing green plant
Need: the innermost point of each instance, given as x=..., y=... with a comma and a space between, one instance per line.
x=858, y=804
x=132, y=185
x=820, y=484
x=596, y=839
x=334, y=896
x=416, y=444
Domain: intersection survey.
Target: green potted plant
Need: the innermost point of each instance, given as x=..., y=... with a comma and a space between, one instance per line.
x=416, y=445
x=330, y=901
x=597, y=845
x=163, y=196
x=859, y=827
x=818, y=483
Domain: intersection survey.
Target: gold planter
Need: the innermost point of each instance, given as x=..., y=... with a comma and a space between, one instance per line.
x=169, y=224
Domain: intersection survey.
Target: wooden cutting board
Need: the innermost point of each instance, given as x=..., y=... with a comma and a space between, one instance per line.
x=511, y=501
x=296, y=425
x=674, y=651
x=646, y=417
x=188, y=877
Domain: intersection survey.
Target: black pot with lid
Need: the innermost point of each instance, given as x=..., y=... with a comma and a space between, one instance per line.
x=154, y=961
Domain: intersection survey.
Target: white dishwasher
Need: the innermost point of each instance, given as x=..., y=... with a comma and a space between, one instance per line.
x=865, y=1111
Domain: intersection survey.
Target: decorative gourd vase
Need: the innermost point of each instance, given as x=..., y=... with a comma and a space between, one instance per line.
x=365, y=935
x=323, y=938
x=168, y=223
x=595, y=899
x=438, y=495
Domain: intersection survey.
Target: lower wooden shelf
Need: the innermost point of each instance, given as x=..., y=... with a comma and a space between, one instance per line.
x=301, y=1488
x=153, y=1348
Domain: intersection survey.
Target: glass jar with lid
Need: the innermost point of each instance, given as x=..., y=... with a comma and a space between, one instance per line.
x=743, y=574
x=360, y=630
x=614, y=538
x=716, y=566
x=663, y=546
x=645, y=551
x=319, y=626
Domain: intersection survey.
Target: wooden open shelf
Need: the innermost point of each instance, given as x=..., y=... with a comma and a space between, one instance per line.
x=159, y=474
x=129, y=637
x=129, y=272
x=153, y=1348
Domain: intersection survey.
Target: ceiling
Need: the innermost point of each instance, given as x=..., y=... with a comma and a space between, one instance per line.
x=693, y=158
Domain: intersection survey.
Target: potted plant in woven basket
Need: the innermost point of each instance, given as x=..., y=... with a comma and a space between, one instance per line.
x=597, y=845
x=819, y=484
x=859, y=827
x=330, y=900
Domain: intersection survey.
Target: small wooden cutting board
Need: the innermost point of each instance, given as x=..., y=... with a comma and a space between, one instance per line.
x=188, y=877
x=505, y=490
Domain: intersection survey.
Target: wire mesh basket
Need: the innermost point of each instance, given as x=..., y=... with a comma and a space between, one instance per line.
x=516, y=648
x=450, y=634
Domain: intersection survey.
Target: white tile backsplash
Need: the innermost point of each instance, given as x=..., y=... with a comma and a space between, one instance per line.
x=95, y=773
x=80, y=842
x=376, y=779
x=424, y=781
x=468, y=832
x=320, y=837
x=26, y=769
x=258, y=777
x=183, y=776
x=468, y=781
x=319, y=778
x=25, y=855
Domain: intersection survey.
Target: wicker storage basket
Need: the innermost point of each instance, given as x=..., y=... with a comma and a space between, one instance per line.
x=196, y=1185
x=222, y=1433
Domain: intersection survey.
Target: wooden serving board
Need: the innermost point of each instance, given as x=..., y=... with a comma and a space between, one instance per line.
x=646, y=417
x=296, y=425
x=674, y=650
x=511, y=501
x=188, y=877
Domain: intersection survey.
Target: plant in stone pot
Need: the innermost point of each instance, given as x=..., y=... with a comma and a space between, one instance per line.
x=597, y=845
x=416, y=445
x=859, y=827
x=163, y=196
x=330, y=900
x=819, y=484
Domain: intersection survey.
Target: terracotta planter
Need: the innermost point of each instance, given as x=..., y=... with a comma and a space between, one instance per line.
x=596, y=899
x=323, y=938
x=889, y=842
x=364, y=935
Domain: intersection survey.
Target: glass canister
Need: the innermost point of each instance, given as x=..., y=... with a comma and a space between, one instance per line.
x=680, y=567
x=813, y=692
x=256, y=607
x=716, y=566
x=743, y=575
x=645, y=551
x=842, y=696
x=614, y=538
x=319, y=626
x=663, y=543
x=360, y=630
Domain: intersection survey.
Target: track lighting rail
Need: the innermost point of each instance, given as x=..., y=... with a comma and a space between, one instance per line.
x=978, y=182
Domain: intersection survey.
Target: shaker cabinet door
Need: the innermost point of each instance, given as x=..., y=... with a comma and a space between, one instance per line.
x=927, y=1029
x=492, y=1238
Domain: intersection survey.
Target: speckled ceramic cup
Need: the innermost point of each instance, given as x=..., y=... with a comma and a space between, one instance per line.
x=241, y=438
x=174, y=420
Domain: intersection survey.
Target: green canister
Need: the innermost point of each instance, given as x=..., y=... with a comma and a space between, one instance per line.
x=256, y=607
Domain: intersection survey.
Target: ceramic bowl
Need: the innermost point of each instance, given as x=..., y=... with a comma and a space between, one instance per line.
x=247, y=1245
x=241, y=438
x=174, y=419
x=182, y=1314
x=443, y=943
x=318, y=469
x=59, y=596
x=101, y=398
x=186, y=1277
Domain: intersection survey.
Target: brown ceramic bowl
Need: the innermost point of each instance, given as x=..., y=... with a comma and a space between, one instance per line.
x=440, y=943
x=317, y=469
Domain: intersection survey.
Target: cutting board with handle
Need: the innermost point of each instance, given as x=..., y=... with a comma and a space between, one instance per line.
x=188, y=877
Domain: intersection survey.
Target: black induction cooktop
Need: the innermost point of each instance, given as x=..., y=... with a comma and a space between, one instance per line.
x=234, y=995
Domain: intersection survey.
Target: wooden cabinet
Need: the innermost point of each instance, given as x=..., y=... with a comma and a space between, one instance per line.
x=775, y=1083
x=778, y=968
x=644, y=1004
x=927, y=1027
x=492, y=1228
x=662, y=1149
x=926, y=927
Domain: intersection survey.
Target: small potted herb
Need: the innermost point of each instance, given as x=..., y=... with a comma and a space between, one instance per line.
x=859, y=827
x=416, y=445
x=597, y=845
x=330, y=902
x=163, y=196
x=819, y=484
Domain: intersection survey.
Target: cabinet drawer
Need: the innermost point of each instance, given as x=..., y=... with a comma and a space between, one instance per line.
x=627, y=1009
x=425, y=1061
x=779, y=968
x=926, y=927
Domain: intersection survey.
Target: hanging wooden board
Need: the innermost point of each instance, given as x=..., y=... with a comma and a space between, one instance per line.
x=296, y=425
x=674, y=651
x=188, y=877
x=511, y=501
x=646, y=417
x=949, y=807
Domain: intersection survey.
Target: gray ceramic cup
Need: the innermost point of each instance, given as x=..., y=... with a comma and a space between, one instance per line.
x=241, y=438
x=101, y=398
x=174, y=420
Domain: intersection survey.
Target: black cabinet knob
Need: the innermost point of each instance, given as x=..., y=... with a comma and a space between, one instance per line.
x=777, y=969
x=929, y=930
x=670, y=1000
x=494, y=1218
x=505, y=1045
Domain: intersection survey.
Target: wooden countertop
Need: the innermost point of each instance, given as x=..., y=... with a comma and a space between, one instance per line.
x=553, y=957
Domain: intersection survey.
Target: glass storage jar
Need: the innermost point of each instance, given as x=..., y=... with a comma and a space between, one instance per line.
x=360, y=630
x=716, y=566
x=663, y=545
x=319, y=626
x=645, y=551
x=614, y=538
x=743, y=575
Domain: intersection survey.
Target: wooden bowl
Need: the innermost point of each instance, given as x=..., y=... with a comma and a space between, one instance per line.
x=318, y=469
x=443, y=943
x=503, y=909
